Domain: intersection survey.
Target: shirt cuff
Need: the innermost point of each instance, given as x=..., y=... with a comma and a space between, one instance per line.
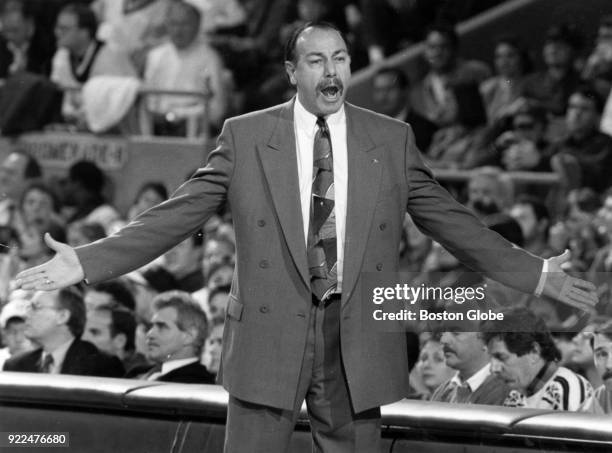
x=540, y=287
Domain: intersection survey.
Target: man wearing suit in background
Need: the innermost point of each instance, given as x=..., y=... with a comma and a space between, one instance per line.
x=294, y=319
x=56, y=321
x=175, y=341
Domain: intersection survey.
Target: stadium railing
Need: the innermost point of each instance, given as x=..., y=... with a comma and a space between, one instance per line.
x=118, y=415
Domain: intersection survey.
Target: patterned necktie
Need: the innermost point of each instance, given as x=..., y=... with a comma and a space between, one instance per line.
x=321, y=247
x=46, y=363
x=462, y=393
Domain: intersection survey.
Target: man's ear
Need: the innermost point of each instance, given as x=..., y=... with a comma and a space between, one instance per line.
x=290, y=70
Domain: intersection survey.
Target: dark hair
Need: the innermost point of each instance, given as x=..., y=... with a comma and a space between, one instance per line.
x=122, y=321
x=398, y=75
x=605, y=329
x=119, y=291
x=72, y=300
x=158, y=187
x=587, y=91
x=290, y=45
x=86, y=18
x=32, y=168
x=520, y=329
x=534, y=109
x=224, y=289
x=41, y=187
x=566, y=33
x=446, y=30
x=88, y=175
x=189, y=315
x=193, y=11
x=523, y=52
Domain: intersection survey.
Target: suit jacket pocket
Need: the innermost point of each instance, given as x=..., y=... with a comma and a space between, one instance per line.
x=234, y=308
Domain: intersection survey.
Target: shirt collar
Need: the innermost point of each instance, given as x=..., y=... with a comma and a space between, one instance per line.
x=476, y=379
x=172, y=365
x=307, y=122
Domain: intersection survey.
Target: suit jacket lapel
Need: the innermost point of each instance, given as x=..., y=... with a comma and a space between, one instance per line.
x=279, y=163
x=364, y=174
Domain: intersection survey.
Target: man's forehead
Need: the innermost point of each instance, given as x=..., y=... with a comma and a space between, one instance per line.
x=44, y=296
x=318, y=39
x=166, y=314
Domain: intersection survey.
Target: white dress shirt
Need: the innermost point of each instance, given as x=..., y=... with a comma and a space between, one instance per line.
x=305, y=124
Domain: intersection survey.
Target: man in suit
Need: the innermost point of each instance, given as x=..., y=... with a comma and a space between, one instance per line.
x=55, y=321
x=294, y=326
x=175, y=340
x=473, y=383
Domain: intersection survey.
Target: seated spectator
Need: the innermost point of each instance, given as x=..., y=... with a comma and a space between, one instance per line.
x=82, y=232
x=220, y=275
x=534, y=220
x=211, y=357
x=430, y=371
x=55, y=321
x=601, y=401
x=390, y=88
x=489, y=192
x=21, y=47
x=12, y=326
x=80, y=56
x=113, y=330
x=110, y=293
x=16, y=171
x=175, y=341
x=500, y=92
x=83, y=195
x=150, y=194
x=216, y=306
x=584, y=157
x=524, y=356
x=185, y=62
x=38, y=214
x=216, y=250
x=433, y=97
x=473, y=382
x=552, y=86
x=523, y=147
x=458, y=143
x=581, y=359
x=184, y=263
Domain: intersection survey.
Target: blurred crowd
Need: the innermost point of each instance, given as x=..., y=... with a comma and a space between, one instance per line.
x=165, y=321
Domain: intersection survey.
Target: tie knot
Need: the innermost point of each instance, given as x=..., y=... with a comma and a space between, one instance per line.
x=321, y=123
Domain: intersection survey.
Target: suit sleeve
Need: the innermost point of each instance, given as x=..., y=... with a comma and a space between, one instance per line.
x=162, y=227
x=437, y=214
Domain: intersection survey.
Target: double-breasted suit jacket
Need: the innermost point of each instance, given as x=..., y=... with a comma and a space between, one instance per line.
x=254, y=169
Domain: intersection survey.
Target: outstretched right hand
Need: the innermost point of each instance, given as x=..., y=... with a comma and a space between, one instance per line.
x=64, y=269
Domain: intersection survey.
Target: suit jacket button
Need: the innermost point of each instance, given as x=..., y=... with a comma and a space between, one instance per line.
x=379, y=267
x=264, y=309
x=261, y=222
x=382, y=226
x=264, y=264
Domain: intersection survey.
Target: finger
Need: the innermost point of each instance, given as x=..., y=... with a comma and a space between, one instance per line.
x=585, y=285
x=33, y=271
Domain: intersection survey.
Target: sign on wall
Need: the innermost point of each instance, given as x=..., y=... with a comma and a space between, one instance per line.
x=62, y=150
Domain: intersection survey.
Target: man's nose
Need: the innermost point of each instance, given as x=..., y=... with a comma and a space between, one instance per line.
x=330, y=68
